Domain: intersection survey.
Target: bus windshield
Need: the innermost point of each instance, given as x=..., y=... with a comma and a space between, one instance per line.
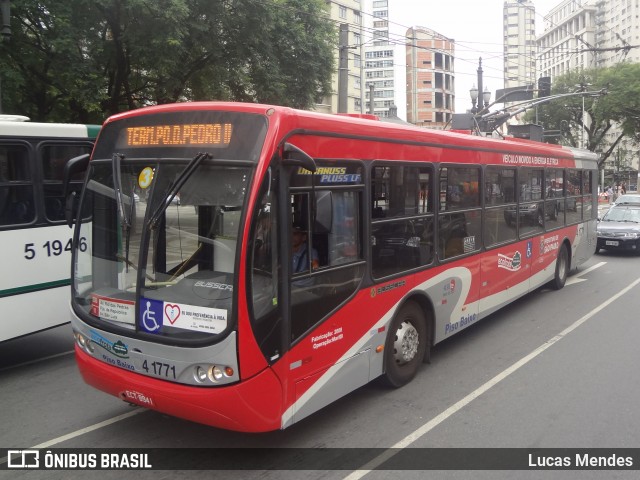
x=156, y=249
x=183, y=268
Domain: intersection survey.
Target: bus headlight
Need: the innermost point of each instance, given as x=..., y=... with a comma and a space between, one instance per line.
x=200, y=374
x=84, y=343
x=215, y=374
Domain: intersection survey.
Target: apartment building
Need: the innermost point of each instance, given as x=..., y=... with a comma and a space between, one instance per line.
x=569, y=39
x=587, y=34
x=519, y=26
x=347, y=90
x=430, y=78
x=379, y=64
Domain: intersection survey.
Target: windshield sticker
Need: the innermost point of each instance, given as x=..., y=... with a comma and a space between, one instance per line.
x=113, y=309
x=156, y=314
x=145, y=177
x=191, y=317
x=150, y=315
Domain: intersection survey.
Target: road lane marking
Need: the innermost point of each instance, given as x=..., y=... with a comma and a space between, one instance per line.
x=577, y=278
x=37, y=360
x=434, y=422
x=82, y=431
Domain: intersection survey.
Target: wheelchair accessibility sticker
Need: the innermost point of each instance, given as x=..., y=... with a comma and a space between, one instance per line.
x=155, y=315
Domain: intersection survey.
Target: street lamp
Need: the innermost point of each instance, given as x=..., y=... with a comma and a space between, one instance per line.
x=474, y=96
x=486, y=96
x=476, y=92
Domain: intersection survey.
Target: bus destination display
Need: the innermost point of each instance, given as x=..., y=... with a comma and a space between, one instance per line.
x=184, y=134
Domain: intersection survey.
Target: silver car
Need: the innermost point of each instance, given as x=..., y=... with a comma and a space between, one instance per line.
x=619, y=228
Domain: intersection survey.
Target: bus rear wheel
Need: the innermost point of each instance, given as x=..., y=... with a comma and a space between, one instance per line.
x=562, y=268
x=405, y=346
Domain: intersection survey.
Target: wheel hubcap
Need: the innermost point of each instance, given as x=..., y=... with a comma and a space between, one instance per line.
x=406, y=344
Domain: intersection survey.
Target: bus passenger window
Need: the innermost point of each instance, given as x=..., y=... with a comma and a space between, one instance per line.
x=16, y=191
x=500, y=205
x=407, y=241
x=54, y=158
x=453, y=231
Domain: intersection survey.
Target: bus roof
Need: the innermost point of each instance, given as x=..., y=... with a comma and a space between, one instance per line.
x=21, y=128
x=358, y=125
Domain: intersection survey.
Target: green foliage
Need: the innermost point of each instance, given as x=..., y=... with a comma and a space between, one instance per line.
x=83, y=60
x=620, y=106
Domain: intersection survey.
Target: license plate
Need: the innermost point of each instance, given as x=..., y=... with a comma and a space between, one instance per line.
x=612, y=243
x=138, y=398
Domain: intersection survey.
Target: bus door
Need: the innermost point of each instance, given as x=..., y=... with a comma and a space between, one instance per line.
x=506, y=267
x=324, y=252
x=459, y=242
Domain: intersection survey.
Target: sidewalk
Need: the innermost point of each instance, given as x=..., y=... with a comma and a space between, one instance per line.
x=602, y=209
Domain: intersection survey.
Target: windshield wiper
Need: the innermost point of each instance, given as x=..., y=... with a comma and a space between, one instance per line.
x=175, y=188
x=125, y=216
x=117, y=187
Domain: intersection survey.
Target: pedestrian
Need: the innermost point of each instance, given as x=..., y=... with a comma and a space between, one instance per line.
x=610, y=194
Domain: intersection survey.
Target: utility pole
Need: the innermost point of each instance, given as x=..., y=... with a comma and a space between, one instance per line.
x=372, y=89
x=343, y=69
x=480, y=105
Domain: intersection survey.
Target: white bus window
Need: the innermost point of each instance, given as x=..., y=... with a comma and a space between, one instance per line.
x=54, y=158
x=16, y=189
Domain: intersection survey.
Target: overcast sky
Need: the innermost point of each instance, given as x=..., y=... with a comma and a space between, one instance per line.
x=475, y=25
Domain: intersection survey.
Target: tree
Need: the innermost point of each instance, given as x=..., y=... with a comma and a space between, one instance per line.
x=45, y=73
x=619, y=107
x=82, y=60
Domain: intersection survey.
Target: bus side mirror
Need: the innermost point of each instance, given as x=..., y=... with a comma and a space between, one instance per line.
x=71, y=208
x=293, y=155
x=72, y=167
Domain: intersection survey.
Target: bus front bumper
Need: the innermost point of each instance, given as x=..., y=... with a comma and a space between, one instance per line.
x=253, y=405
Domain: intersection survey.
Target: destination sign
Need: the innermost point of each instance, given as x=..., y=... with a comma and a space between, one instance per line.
x=183, y=134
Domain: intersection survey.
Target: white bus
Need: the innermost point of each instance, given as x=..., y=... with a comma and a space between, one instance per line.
x=35, y=241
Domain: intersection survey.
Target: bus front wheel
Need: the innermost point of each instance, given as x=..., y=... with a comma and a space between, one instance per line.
x=405, y=346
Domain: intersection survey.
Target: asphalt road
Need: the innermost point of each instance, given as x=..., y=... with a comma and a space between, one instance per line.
x=552, y=370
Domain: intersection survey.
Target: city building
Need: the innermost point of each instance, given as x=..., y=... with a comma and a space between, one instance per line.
x=519, y=27
x=379, y=61
x=568, y=40
x=617, y=29
x=587, y=34
x=430, y=78
x=346, y=80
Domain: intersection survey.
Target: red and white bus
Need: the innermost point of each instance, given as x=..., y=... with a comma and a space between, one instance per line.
x=187, y=298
